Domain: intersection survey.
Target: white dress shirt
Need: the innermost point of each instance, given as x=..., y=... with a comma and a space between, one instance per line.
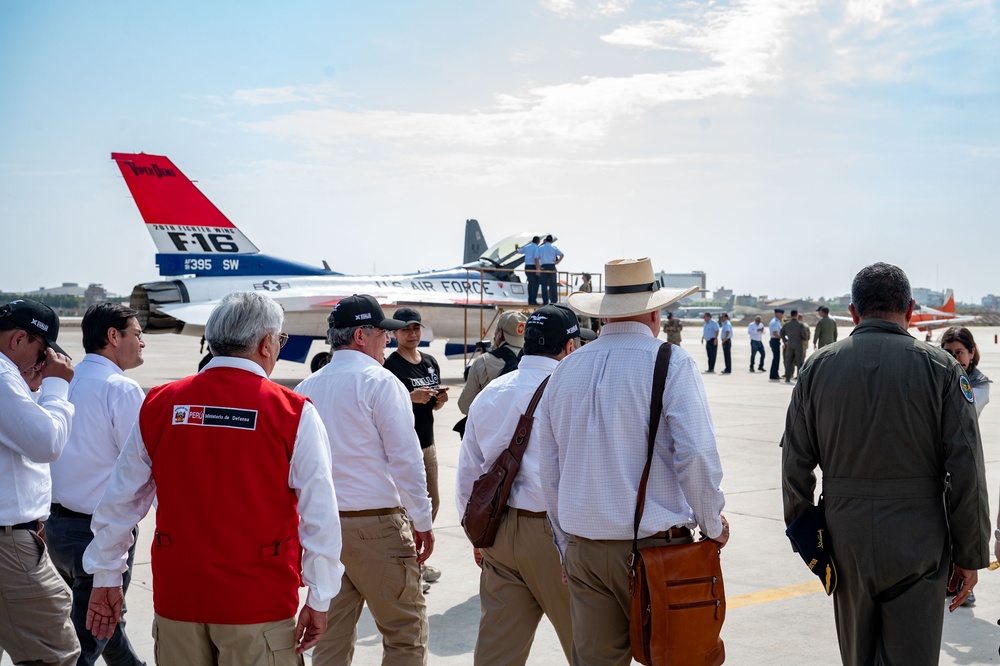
x=756, y=331
x=32, y=434
x=369, y=418
x=131, y=490
x=107, y=405
x=492, y=419
x=592, y=427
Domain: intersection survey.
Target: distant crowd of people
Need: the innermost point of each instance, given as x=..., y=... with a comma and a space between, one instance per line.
x=334, y=485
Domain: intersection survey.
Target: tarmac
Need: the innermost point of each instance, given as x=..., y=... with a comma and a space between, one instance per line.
x=777, y=612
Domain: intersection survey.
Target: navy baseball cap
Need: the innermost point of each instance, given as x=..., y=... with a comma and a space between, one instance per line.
x=556, y=323
x=811, y=540
x=35, y=318
x=361, y=310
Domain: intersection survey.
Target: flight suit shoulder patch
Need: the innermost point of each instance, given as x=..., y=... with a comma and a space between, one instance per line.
x=966, y=388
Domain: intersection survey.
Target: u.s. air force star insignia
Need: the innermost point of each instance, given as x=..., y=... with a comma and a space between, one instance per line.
x=966, y=387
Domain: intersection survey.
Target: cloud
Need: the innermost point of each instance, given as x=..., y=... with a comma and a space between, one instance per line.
x=591, y=9
x=320, y=93
x=743, y=43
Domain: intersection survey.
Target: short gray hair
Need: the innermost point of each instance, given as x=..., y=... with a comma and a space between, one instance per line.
x=239, y=322
x=341, y=338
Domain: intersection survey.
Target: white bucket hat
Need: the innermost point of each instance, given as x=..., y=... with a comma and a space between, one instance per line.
x=630, y=288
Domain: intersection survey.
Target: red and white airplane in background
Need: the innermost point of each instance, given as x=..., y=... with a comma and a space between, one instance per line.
x=928, y=319
x=206, y=257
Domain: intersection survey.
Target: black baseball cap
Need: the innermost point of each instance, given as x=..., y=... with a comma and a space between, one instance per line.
x=556, y=323
x=407, y=316
x=361, y=310
x=35, y=318
x=811, y=540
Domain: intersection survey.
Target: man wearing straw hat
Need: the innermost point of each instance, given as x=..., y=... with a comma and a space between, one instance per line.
x=592, y=446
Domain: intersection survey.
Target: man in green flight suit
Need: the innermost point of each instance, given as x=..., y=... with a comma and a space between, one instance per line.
x=889, y=417
x=826, y=328
x=794, y=335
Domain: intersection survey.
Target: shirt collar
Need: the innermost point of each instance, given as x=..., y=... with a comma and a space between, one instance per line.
x=105, y=361
x=538, y=362
x=237, y=363
x=872, y=325
x=619, y=327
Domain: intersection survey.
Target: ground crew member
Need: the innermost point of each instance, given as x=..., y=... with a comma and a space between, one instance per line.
x=826, y=328
x=887, y=418
x=793, y=335
x=507, y=342
x=673, y=327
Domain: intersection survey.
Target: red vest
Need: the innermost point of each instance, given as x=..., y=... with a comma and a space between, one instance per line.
x=226, y=549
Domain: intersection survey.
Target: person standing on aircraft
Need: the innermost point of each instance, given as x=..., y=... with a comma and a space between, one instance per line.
x=587, y=287
x=592, y=517
x=755, y=330
x=958, y=342
x=421, y=375
x=522, y=577
x=726, y=334
x=673, y=327
x=34, y=601
x=792, y=335
x=710, y=338
x=546, y=260
x=507, y=342
x=530, y=252
x=826, y=329
x=381, y=487
x=888, y=418
x=240, y=469
x=774, y=327
x=107, y=406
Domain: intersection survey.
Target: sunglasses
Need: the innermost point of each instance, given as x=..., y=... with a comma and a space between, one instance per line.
x=282, y=339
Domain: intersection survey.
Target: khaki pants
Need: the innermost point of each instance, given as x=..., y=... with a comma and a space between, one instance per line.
x=380, y=559
x=431, y=469
x=521, y=579
x=35, y=603
x=599, y=600
x=195, y=644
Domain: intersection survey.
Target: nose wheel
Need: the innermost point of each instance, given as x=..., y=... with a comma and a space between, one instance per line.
x=319, y=360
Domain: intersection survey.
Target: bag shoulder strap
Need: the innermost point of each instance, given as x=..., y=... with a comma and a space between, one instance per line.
x=655, y=411
x=519, y=441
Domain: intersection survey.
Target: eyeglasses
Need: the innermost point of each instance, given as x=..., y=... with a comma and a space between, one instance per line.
x=45, y=346
x=282, y=339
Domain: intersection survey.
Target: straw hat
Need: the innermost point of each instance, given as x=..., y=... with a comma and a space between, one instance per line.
x=629, y=289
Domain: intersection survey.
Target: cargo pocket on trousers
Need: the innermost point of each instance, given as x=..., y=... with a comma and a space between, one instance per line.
x=401, y=578
x=281, y=644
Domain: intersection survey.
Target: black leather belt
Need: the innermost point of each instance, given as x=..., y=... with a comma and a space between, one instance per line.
x=30, y=525
x=672, y=533
x=60, y=510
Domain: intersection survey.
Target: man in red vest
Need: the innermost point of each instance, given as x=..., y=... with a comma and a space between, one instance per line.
x=246, y=507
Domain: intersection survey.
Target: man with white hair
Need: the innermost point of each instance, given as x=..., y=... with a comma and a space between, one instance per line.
x=591, y=445
x=241, y=470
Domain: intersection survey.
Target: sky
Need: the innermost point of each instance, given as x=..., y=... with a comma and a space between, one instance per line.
x=779, y=146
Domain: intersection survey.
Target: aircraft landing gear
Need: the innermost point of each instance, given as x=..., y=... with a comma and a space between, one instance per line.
x=319, y=360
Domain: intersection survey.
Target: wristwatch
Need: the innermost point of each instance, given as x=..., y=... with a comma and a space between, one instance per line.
x=996, y=534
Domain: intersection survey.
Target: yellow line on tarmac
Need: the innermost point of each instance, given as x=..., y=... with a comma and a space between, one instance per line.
x=774, y=594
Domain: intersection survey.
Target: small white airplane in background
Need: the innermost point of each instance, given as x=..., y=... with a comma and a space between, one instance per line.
x=207, y=257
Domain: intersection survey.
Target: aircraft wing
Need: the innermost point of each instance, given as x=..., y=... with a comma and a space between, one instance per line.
x=407, y=298
x=849, y=320
x=194, y=314
x=944, y=323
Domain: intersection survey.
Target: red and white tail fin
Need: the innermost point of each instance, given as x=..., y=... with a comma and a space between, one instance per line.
x=178, y=216
x=949, y=302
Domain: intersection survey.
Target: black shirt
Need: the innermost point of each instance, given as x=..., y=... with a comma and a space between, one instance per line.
x=426, y=374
